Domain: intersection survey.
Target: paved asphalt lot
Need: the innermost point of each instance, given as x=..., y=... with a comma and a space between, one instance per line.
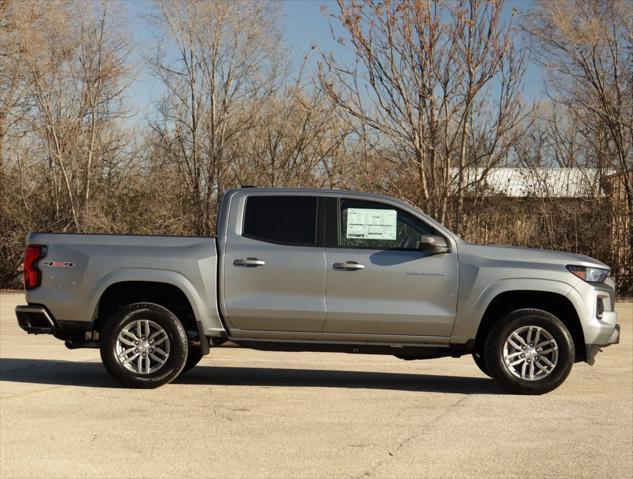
x=245, y=413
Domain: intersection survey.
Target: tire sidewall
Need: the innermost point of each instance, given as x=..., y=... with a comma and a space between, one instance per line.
x=529, y=317
x=193, y=358
x=175, y=332
x=480, y=361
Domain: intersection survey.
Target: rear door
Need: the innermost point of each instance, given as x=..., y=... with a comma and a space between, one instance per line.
x=378, y=281
x=274, y=265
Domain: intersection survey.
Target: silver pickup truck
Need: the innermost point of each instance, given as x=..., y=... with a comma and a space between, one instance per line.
x=319, y=270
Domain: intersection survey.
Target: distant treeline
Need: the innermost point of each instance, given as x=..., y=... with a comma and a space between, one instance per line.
x=424, y=93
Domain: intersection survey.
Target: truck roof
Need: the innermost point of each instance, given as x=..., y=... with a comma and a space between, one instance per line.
x=313, y=191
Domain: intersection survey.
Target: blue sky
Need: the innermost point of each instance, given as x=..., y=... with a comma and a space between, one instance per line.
x=305, y=25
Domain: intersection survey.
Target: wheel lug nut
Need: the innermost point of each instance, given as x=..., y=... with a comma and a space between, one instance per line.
x=136, y=350
x=135, y=342
x=144, y=354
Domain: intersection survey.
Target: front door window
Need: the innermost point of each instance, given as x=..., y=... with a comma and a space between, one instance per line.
x=376, y=226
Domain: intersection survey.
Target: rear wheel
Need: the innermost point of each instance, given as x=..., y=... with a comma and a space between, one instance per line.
x=530, y=351
x=193, y=358
x=144, y=346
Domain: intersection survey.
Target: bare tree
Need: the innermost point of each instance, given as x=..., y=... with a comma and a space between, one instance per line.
x=224, y=53
x=586, y=48
x=297, y=136
x=11, y=104
x=427, y=107
x=422, y=81
x=72, y=62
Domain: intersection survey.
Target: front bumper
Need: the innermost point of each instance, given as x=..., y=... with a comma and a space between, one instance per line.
x=609, y=335
x=595, y=306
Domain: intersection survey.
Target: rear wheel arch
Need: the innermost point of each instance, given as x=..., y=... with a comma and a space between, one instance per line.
x=553, y=303
x=171, y=297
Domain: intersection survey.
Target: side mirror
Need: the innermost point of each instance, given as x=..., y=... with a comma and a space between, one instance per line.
x=433, y=244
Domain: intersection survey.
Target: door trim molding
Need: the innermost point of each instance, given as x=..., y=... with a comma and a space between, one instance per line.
x=341, y=338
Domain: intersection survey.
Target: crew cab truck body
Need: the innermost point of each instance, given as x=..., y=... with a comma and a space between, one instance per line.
x=320, y=270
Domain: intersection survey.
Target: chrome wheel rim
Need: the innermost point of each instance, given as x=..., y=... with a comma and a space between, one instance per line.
x=530, y=353
x=142, y=346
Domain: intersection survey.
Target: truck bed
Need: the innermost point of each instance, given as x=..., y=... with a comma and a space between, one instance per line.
x=78, y=268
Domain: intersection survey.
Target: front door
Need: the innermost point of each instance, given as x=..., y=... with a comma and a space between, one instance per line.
x=379, y=282
x=274, y=272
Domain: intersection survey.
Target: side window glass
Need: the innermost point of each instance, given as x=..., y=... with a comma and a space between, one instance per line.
x=371, y=225
x=287, y=220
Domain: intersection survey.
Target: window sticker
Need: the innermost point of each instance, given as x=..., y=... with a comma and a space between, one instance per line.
x=366, y=223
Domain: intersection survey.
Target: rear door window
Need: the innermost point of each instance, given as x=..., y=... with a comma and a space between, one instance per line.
x=289, y=220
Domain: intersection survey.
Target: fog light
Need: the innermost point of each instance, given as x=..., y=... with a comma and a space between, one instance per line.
x=599, y=308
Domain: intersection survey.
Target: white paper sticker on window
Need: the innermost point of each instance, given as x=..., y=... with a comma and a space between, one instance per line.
x=371, y=224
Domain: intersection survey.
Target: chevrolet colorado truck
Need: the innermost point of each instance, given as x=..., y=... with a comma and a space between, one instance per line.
x=319, y=270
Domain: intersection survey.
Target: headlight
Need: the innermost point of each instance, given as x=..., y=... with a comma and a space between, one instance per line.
x=591, y=275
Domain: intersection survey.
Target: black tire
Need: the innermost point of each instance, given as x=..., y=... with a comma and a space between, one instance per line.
x=175, y=332
x=479, y=359
x=193, y=358
x=501, y=331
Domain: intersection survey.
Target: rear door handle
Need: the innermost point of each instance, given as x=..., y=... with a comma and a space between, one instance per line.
x=249, y=262
x=349, y=265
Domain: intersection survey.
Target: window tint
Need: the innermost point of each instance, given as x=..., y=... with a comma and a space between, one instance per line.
x=366, y=224
x=281, y=219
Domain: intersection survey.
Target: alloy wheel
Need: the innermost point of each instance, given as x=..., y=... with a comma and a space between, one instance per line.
x=530, y=353
x=142, y=346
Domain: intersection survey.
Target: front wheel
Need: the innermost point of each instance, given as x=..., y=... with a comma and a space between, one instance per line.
x=530, y=351
x=478, y=357
x=144, y=346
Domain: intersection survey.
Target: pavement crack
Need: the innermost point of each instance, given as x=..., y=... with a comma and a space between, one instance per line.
x=403, y=442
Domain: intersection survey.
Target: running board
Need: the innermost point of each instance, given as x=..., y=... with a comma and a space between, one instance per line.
x=403, y=351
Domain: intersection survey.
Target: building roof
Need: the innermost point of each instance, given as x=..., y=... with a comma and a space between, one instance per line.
x=535, y=182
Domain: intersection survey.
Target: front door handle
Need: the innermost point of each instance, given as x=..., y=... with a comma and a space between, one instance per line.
x=249, y=262
x=349, y=265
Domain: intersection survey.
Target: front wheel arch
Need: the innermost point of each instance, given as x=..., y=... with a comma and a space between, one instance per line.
x=553, y=303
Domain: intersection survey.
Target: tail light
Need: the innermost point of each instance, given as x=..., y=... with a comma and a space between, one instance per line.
x=32, y=274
